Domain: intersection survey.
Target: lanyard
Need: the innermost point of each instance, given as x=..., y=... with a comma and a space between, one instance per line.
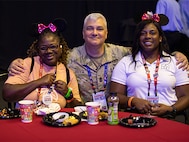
x=40, y=75
x=148, y=74
x=91, y=80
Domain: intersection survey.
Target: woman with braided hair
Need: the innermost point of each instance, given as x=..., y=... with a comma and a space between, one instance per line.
x=45, y=78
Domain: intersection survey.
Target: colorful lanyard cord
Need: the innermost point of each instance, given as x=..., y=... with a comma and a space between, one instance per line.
x=91, y=80
x=40, y=75
x=148, y=74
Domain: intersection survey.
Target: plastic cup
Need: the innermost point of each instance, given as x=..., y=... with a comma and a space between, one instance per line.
x=26, y=110
x=93, y=109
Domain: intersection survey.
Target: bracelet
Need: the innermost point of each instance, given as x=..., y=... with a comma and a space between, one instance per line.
x=68, y=94
x=129, y=102
x=69, y=101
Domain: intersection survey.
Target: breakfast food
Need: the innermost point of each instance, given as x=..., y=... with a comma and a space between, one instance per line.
x=103, y=115
x=71, y=120
x=130, y=121
x=6, y=113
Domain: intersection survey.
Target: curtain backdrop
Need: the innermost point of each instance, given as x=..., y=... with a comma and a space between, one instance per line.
x=17, y=16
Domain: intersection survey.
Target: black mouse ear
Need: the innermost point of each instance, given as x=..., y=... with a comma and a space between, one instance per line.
x=34, y=30
x=164, y=20
x=61, y=24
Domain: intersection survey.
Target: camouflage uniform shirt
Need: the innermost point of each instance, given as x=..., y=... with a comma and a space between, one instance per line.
x=78, y=59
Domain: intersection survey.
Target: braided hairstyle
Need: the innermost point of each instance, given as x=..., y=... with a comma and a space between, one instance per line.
x=60, y=27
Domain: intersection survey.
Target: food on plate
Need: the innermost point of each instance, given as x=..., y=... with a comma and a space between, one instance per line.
x=9, y=113
x=85, y=114
x=102, y=115
x=4, y=112
x=60, y=116
x=71, y=120
x=130, y=121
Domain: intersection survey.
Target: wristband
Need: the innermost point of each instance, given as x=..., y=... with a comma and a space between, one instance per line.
x=69, y=101
x=68, y=94
x=129, y=102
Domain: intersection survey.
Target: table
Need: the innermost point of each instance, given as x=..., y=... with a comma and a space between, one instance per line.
x=164, y=131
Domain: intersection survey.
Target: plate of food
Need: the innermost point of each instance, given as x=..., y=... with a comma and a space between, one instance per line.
x=103, y=115
x=8, y=113
x=61, y=119
x=138, y=122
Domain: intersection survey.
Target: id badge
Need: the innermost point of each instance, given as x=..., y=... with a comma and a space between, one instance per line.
x=47, y=99
x=153, y=99
x=100, y=97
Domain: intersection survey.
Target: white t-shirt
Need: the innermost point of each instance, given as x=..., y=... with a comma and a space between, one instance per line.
x=135, y=78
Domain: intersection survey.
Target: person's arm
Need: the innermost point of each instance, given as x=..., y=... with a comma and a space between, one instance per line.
x=75, y=91
x=161, y=7
x=183, y=97
x=16, y=92
x=182, y=60
x=143, y=106
x=16, y=67
x=180, y=105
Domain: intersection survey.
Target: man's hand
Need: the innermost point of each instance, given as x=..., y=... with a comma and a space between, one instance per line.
x=182, y=60
x=16, y=67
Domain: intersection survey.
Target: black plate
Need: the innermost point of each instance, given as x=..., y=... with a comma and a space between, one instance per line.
x=7, y=113
x=103, y=115
x=83, y=115
x=48, y=120
x=138, y=122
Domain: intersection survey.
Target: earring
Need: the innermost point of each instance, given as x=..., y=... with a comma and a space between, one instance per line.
x=60, y=46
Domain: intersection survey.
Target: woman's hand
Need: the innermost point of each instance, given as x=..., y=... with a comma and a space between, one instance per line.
x=61, y=87
x=47, y=80
x=143, y=106
x=160, y=110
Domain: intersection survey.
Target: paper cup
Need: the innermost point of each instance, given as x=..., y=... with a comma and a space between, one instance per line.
x=26, y=110
x=93, y=109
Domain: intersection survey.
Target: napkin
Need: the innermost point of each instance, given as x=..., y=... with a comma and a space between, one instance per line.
x=43, y=110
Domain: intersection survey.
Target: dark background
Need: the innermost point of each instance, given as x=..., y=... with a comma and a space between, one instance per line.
x=16, y=17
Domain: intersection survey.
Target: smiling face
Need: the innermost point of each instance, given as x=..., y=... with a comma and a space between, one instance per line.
x=150, y=38
x=49, y=49
x=95, y=32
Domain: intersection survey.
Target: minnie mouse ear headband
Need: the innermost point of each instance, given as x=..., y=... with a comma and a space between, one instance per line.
x=159, y=18
x=42, y=27
x=58, y=25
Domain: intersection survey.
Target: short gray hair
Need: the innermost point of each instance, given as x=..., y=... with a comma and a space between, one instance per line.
x=95, y=16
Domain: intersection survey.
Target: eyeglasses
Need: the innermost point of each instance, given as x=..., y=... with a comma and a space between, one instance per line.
x=51, y=47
